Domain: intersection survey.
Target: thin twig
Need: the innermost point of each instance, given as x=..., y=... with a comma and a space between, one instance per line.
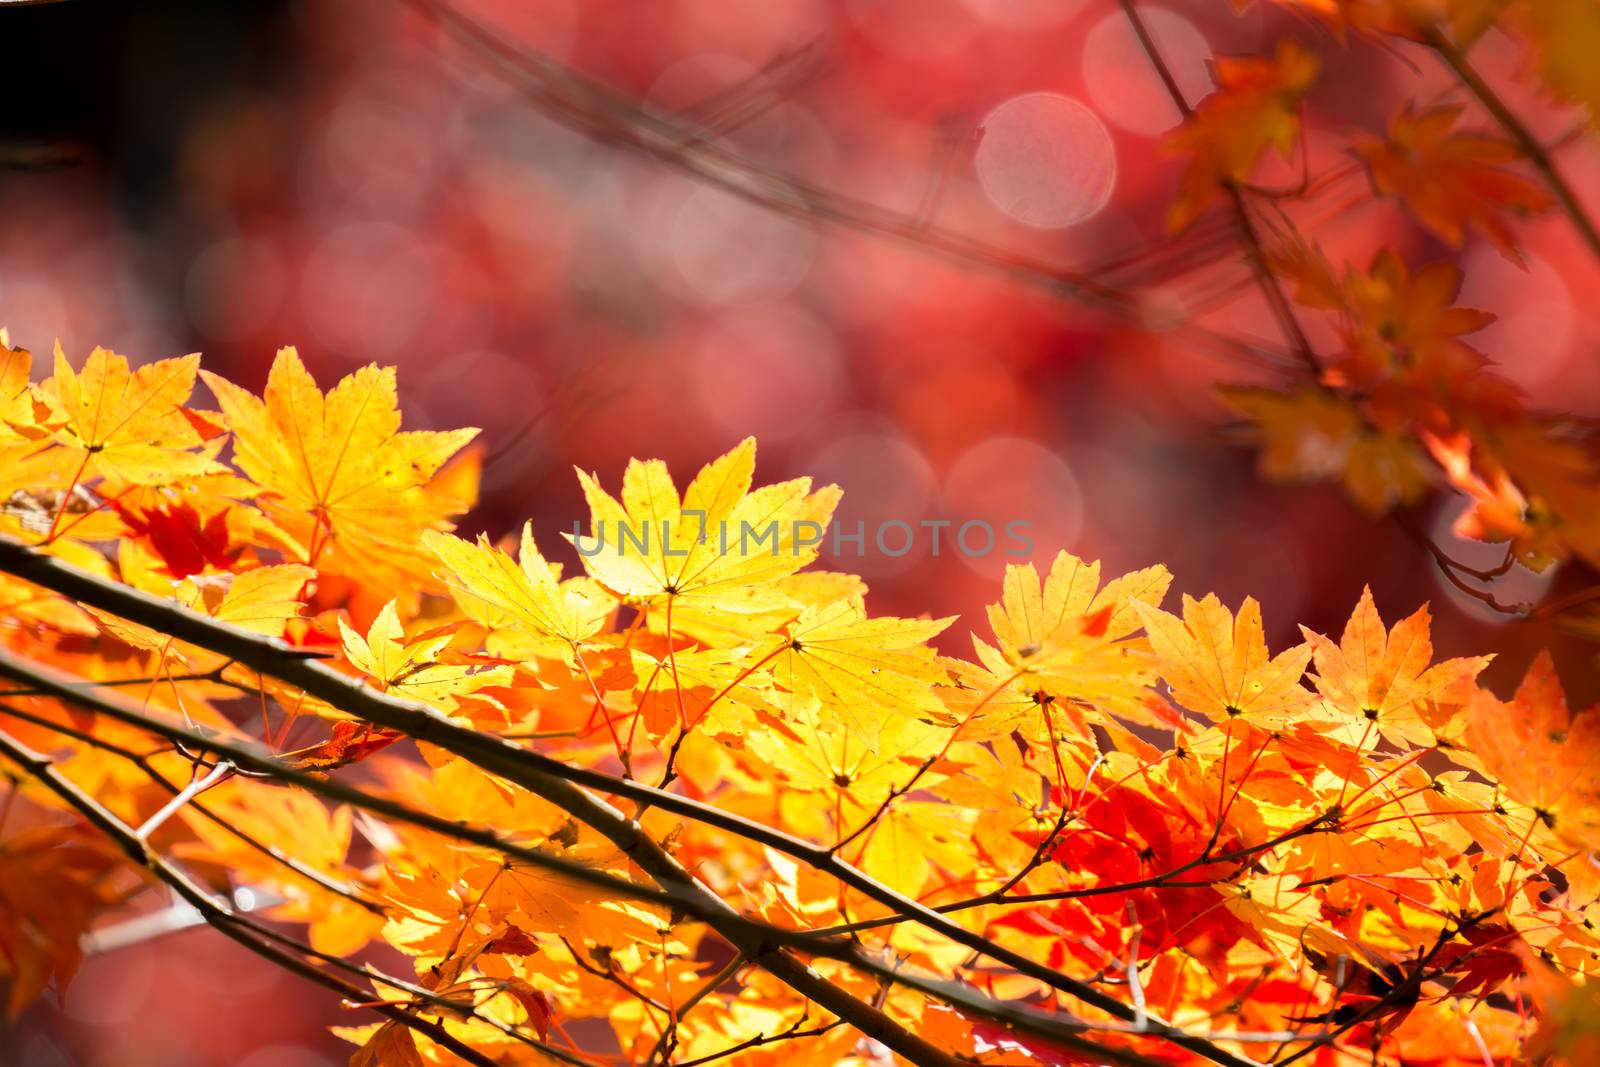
x=1249, y=237
x=1514, y=127
x=565, y=96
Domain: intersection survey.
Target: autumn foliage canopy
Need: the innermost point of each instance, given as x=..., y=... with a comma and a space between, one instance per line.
x=690, y=800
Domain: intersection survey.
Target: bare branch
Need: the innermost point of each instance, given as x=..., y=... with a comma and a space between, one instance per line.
x=1249, y=237
x=567, y=97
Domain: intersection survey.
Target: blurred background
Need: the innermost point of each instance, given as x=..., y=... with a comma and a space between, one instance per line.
x=180, y=175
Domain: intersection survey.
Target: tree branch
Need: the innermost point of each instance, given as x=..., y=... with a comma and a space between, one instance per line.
x=310, y=874
x=558, y=783
x=738, y=930
x=221, y=918
x=1468, y=75
x=567, y=97
x=1249, y=237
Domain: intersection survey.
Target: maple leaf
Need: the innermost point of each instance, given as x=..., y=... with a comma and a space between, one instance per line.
x=126, y=423
x=1556, y=472
x=1065, y=639
x=1451, y=179
x=341, y=477
x=1282, y=913
x=1565, y=36
x=914, y=837
x=1031, y=617
x=1315, y=434
x=349, y=742
x=1386, y=677
x=18, y=415
x=391, y=1045
x=537, y=899
x=1402, y=335
x=1542, y=753
x=53, y=883
x=261, y=601
x=534, y=1003
x=865, y=671
x=1528, y=487
x=719, y=552
x=855, y=775
x=321, y=839
x=187, y=542
x=677, y=690
x=1218, y=664
x=1403, y=350
x=411, y=667
x=1411, y=313
x=1488, y=955
x=1255, y=107
x=527, y=597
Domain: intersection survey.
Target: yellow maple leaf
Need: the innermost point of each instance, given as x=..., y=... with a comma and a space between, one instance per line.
x=17, y=412
x=341, y=477
x=902, y=848
x=527, y=597
x=262, y=601
x=1065, y=639
x=865, y=671
x=1283, y=914
x=719, y=551
x=410, y=666
x=837, y=774
x=712, y=689
x=126, y=423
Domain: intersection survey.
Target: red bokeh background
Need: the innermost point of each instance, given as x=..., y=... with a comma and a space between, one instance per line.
x=344, y=178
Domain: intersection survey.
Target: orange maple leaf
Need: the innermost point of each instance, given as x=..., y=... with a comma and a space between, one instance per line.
x=1386, y=676
x=1218, y=664
x=1451, y=179
x=1255, y=107
x=53, y=882
x=1315, y=434
x=1542, y=753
